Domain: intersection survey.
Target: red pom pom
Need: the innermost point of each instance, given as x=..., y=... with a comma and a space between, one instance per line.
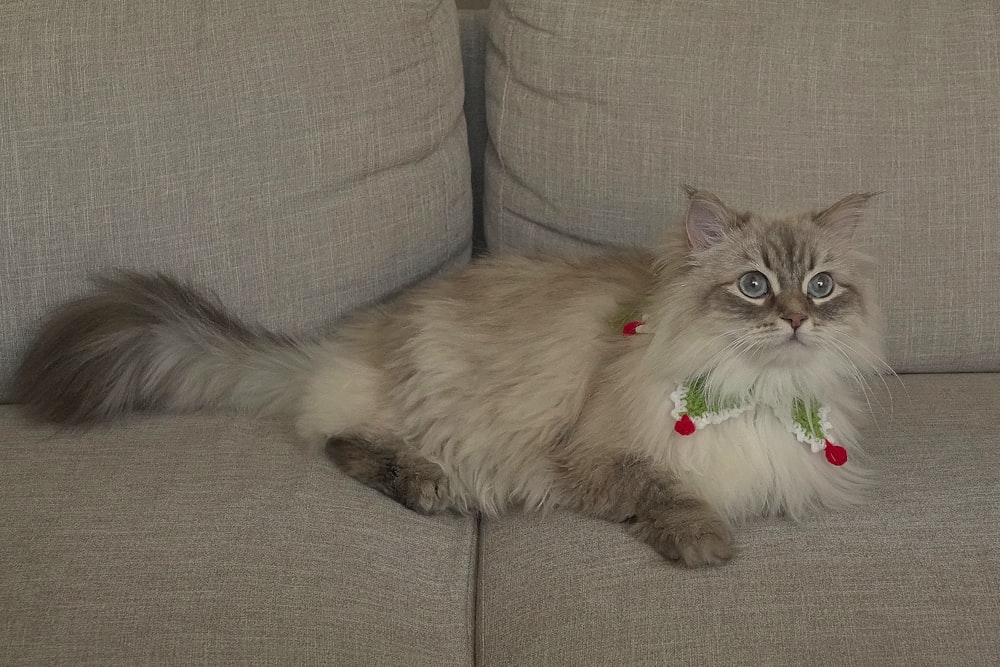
x=684, y=426
x=630, y=328
x=835, y=454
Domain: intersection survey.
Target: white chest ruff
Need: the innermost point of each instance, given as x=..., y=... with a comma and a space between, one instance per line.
x=752, y=465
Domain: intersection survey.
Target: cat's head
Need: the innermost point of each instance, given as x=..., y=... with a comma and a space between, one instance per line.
x=783, y=301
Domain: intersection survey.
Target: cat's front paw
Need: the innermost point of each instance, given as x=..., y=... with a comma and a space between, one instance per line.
x=708, y=543
x=692, y=541
x=422, y=488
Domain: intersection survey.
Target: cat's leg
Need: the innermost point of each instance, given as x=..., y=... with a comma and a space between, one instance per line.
x=654, y=506
x=394, y=468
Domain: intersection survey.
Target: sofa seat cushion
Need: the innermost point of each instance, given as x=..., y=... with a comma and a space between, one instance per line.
x=913, y=578
x=211, y=540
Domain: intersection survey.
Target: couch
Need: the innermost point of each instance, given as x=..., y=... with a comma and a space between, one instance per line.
x=303, y=158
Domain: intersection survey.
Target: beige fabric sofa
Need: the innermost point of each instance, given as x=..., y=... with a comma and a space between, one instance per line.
x=302, y=158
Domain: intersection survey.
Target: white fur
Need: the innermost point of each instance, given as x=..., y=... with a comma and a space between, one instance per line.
x=751, y=464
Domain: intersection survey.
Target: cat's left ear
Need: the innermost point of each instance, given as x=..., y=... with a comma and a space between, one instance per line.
x=842, y=219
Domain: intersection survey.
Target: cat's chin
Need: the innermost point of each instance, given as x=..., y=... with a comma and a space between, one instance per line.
x=791, y=352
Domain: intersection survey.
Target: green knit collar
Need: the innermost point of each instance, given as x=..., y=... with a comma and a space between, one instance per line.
x=696, y=408
x=808, y=419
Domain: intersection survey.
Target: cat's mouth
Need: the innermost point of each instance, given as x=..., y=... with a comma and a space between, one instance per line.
x=798, y=337
x=791, y=342
x=777, y=345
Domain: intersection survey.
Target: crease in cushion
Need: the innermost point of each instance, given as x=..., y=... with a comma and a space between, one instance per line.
x=299, y=159
x=599, y=112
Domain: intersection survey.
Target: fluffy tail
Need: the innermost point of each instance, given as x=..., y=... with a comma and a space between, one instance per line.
x=150, y=342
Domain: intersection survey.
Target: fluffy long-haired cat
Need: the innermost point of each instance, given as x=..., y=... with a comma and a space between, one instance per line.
x=676, y=391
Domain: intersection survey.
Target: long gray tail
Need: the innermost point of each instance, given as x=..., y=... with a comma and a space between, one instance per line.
x=151, y=342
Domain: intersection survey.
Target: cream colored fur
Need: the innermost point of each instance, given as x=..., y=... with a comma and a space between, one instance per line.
x=510, y=376
x=489, y=370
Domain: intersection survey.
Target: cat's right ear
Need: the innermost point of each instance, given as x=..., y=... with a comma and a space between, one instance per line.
x=707, y=219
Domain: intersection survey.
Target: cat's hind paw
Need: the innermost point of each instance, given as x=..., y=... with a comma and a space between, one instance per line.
x=398, y=471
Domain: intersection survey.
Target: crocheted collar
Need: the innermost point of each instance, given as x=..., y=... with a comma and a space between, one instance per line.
x=695, y=408
x=808, y=420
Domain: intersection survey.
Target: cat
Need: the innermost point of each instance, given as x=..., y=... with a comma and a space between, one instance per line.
x=652, y=388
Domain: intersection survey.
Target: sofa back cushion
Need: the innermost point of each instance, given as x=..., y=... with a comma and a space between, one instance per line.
x=600, y=111
x=298, y=158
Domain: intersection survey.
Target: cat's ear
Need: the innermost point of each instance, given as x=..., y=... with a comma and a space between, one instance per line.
x=707, y=219
x=843, y=218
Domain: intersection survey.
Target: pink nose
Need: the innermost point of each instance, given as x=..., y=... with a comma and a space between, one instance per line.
x=794, y=320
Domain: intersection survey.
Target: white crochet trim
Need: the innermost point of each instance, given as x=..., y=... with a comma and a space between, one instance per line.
x=815, y=444
x=719, y=417
x=679, y=397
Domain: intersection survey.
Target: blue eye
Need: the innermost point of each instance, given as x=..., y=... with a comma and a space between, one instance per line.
x=754, y=284
x=820, y=285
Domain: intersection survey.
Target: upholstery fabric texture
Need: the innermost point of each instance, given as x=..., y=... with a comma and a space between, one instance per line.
x=217, y=540
x=599, y=112
x=297, y=158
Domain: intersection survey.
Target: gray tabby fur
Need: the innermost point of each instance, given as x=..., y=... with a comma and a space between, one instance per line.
x=504, y=385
